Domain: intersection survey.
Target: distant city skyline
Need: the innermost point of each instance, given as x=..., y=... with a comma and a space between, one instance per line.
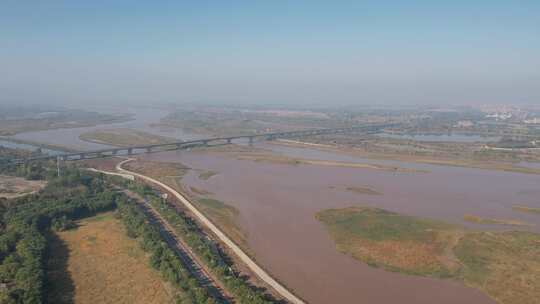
x=270, y=52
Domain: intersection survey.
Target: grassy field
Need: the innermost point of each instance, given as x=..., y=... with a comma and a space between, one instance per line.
x=505, y=265
x=124, y=137
x=391, y=241
x=97, y=263
x=526, y=209
x=480, y=220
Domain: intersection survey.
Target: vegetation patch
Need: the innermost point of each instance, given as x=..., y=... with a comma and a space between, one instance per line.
x=526, y=209
x=25, y=222
x=280, y=159
x=363, y=190
x=225, y=216
x=158, y=170
x=198, y=191
x=205, y=175
x=125, y=137
x=481, y=220
x=74, y=273
x=392, y=241
x=504, y=265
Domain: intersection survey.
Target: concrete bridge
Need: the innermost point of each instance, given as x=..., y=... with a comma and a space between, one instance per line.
x=133, y=150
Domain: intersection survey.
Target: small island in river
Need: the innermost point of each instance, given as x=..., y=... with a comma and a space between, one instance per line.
x=504, y=265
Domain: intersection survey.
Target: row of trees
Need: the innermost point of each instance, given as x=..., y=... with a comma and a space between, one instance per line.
x=204, y=247
x=162, y=257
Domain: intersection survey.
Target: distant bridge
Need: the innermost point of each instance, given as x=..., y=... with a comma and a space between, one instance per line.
x=133, y=150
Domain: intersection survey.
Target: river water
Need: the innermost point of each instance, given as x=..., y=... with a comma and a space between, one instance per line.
x=142, y=120
x=278, y=202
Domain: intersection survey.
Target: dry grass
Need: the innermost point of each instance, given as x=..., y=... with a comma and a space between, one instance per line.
x=157, y=169
x=12, y=187
x=103, y=266
x=480, y=220
x=504, y=265
x=391, y=241
x=124, y=137
x=526, y=209
x=390, y=154
x=279, y=159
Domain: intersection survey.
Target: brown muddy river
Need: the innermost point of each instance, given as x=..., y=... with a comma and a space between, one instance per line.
x=277, y=204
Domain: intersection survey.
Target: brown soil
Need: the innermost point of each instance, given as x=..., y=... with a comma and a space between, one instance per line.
x=157, y=170
x=12, y=187
x=107, y=164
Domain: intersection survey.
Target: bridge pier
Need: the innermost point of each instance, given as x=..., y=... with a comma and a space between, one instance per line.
x=229, y=140
x=149, y=149
x=251, y=138
x=130, y=151
x=205, y=143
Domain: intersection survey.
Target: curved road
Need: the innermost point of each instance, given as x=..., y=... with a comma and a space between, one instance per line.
x=253, y=266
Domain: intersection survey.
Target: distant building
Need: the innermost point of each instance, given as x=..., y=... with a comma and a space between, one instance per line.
x=464, y=124
x=500, y=116
x=535, y=120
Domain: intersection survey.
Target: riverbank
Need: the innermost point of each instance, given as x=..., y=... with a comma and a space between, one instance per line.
x=466, y=163
x=123, y=137
x=252, y=265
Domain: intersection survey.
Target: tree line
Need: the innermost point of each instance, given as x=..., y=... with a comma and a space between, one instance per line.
x=162, y=257
x=216, y=259
x=25, y=222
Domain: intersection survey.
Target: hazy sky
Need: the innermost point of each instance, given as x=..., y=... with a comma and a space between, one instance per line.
x=301, y=52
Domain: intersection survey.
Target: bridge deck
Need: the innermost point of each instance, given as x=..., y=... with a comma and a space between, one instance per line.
x=186, y=144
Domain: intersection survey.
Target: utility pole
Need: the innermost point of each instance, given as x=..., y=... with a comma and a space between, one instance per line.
x=58, y=165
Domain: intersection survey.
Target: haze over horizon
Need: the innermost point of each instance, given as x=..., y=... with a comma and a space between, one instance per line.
x=278, y=52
